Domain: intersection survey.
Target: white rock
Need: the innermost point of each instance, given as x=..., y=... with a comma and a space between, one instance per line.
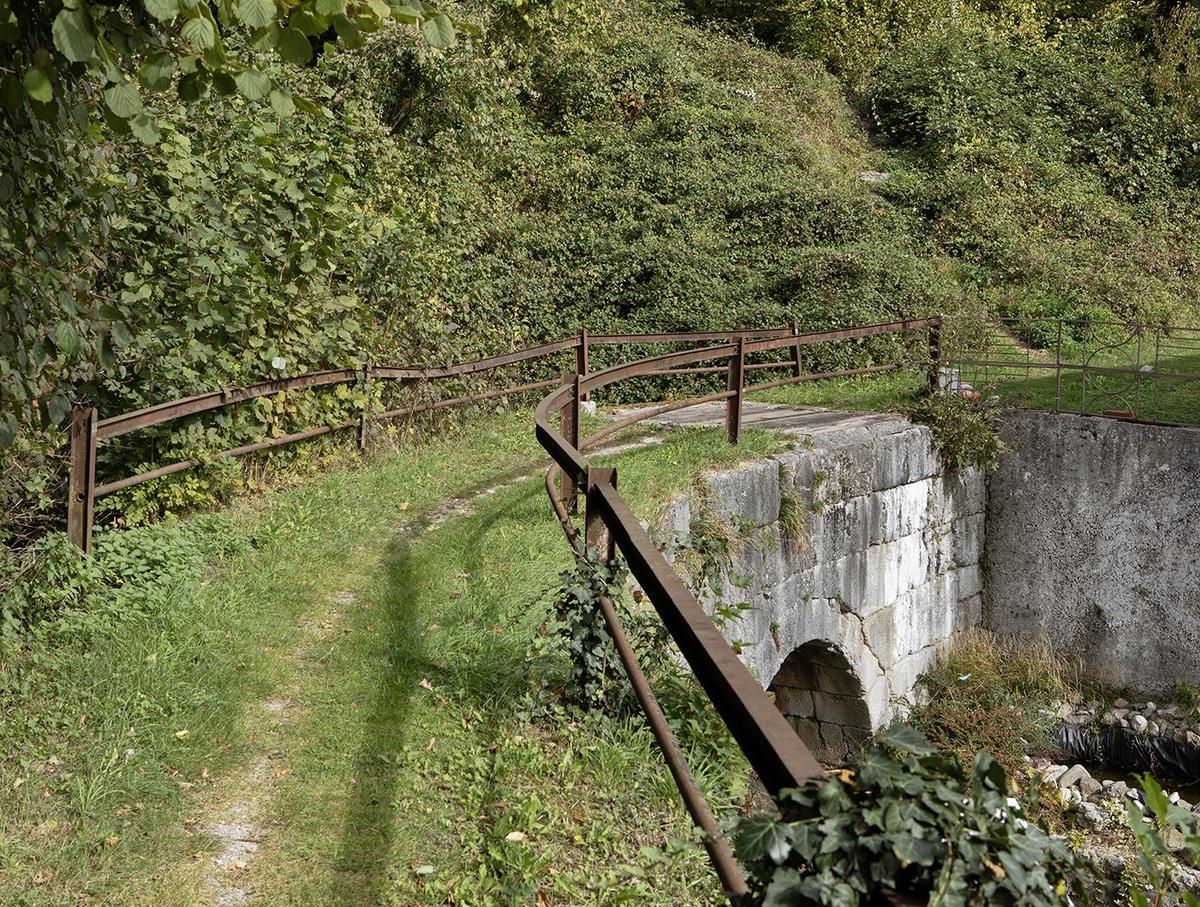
x=1073, y=776
x=1139, y=723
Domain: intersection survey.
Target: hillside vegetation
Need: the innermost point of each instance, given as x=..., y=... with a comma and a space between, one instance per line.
x=627, y=166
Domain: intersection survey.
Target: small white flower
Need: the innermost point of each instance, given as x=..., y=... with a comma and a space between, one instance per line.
x=278, y=363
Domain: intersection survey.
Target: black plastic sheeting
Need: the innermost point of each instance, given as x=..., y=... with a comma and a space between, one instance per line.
x=1122, y=750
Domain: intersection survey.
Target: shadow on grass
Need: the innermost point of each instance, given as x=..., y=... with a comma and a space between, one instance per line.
x=489, y=671
x=361, y=865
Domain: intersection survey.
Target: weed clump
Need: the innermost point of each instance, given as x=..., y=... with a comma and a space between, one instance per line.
x=964, y=431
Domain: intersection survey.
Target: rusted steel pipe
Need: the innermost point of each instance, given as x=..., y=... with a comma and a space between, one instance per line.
x=182, y=465
x=643, y=415
x=685, y=336
x=844, y=373
x=719, y=853
x=458, y=401
x=190, y=406
x=891, y=327
x=478, y=365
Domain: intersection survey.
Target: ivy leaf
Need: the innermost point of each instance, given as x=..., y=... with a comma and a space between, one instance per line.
x=58, y=407
x=350, y=33
x=192, y=86
x=256, y=13
x=156, y=71
x=253, y=84
x=200, y=33
x=144, y=130
x=10, y=28
x=37, y=85
x=293, y=46
x=785, y=890
x=308, y=23
x=438, y=30
x=761, y=835
x=162, y=10
x=72, y=32
x=123, y=99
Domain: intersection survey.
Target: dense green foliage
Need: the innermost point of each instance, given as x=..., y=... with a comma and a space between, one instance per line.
x=910, y=820
x=624, y=167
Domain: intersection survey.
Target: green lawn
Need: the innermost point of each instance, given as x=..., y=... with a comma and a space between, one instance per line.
x=371, y=689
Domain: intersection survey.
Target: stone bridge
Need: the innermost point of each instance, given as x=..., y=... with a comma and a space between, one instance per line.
x=862, y=557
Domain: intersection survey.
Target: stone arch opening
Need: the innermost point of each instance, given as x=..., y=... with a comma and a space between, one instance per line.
x=818, y=691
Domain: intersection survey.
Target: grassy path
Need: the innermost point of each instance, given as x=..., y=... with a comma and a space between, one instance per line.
x=365, y=698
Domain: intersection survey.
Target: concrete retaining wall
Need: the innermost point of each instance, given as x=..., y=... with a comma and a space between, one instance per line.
x=1093, y=541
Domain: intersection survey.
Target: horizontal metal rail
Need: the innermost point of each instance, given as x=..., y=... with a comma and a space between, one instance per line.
x=190, y=406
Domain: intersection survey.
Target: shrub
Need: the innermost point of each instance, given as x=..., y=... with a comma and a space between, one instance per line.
x=964, y=432
x=906, y=819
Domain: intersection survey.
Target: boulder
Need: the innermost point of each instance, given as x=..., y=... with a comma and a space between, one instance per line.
x=1139, y=723
x=1073, y=776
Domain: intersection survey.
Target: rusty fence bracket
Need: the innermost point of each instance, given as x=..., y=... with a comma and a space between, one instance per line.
x=81, y=484
x=737, y=383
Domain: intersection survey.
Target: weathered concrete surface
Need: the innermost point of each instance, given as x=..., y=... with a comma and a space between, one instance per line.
x=1093, y=541
x=850, y=609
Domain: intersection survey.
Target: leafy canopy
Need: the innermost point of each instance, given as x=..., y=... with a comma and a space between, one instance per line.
x=198, y=47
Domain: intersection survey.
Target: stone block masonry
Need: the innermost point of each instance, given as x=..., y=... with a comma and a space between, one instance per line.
x=856, y=590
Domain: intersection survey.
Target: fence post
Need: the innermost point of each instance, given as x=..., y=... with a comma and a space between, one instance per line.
x=364, y=416
x=569, y=427
x=1058, y=369
x=733, y=405
x=935, y=354
x=81, y=484
x=795, y=350
x=581, y=357
x=595, y=531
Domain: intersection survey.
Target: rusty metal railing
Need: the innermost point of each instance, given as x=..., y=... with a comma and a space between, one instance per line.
x=1122, y=370
x=769, y=742
x=88, y=430
x=772, y=747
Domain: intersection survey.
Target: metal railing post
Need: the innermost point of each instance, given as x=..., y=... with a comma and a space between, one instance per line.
x=737, y=381
x=581, y=357
x=1087, y=347
x=595, y=533
x=569, y=427
x=1058, y=369
x=933, y=380
x=81, y=484
x=364, y=416
x=795, y=350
